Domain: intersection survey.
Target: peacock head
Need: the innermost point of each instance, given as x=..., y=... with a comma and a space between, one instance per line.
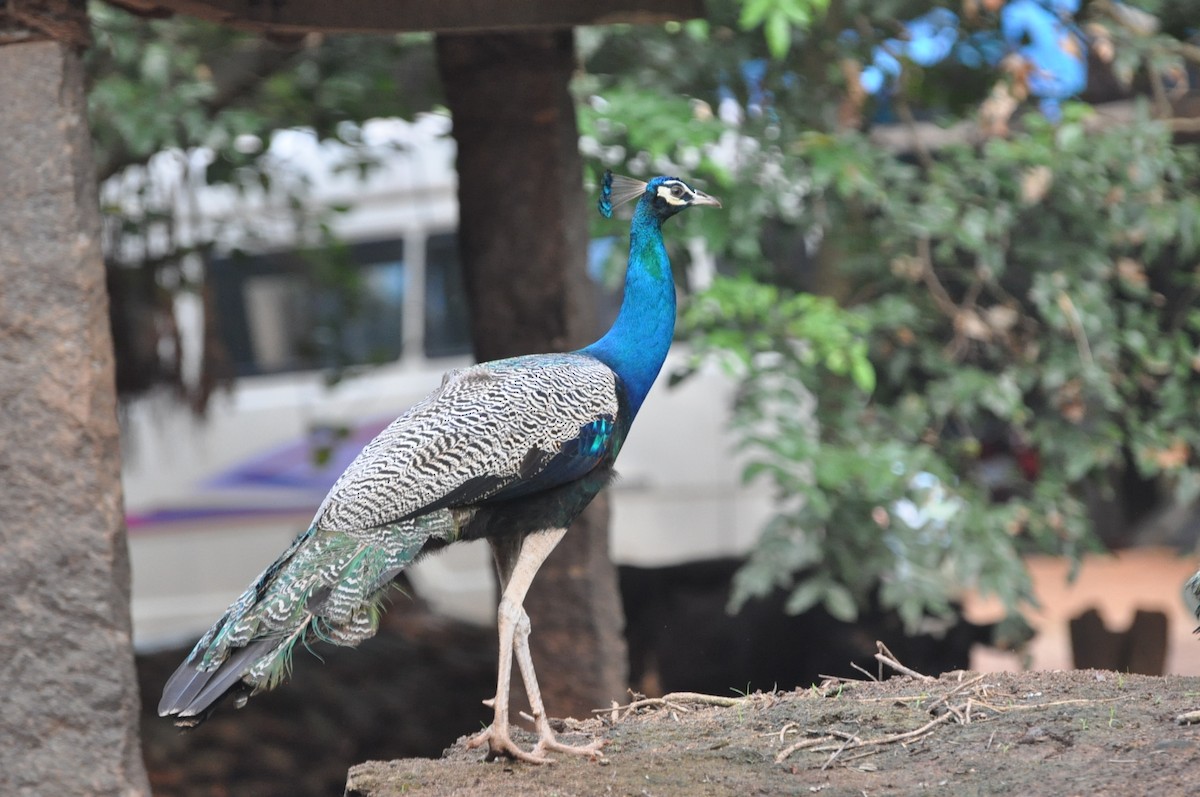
x=665, y=196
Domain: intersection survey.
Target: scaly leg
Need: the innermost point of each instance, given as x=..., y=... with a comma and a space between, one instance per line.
x=546, y=737
x=515, y=578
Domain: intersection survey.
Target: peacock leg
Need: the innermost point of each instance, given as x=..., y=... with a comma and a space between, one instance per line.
x=546, y=738
x=515, y=576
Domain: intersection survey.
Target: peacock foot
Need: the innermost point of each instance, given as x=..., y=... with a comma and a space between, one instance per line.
x=548, y=741
x=499, y=743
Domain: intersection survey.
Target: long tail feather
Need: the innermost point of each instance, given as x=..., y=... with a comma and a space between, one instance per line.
x=327, y=586
x=190, y=692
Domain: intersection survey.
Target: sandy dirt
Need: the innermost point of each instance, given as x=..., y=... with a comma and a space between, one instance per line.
x=1086, y=732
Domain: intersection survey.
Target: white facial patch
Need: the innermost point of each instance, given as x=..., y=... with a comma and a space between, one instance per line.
x=675, y=193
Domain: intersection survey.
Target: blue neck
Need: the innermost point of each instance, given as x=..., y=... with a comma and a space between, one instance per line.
x=636, y=345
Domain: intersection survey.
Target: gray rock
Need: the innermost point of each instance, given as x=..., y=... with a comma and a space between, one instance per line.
x=68, y=716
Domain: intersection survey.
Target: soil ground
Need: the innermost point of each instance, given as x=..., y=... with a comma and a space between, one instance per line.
x=417, y=687
x=1081, y=732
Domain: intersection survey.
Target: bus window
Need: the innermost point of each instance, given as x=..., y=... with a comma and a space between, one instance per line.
x=286, y=312
x=447, y=321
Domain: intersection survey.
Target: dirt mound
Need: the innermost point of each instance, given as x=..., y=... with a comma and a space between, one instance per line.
x=1040, y=733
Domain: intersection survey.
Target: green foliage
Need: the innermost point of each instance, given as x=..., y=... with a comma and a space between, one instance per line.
x=777, y=18
x=203, y=101
x=1037, y=290
x=181, y=83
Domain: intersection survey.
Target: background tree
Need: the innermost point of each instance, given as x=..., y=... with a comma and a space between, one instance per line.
x=1013, y=271
x=522, y=233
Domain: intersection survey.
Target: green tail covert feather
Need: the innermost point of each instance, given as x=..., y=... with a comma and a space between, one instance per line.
x=328, y=586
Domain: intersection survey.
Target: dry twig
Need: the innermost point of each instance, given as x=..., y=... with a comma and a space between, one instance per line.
x=674, y=701
x=853, y=743
x=864, y=672
x=836, y=743
x=887, y=658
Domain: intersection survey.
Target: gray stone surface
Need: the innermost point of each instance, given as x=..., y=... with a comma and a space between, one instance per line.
x=68, y=713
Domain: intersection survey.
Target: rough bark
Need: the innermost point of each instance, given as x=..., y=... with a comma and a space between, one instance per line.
x=523, y=236
x=68, y=719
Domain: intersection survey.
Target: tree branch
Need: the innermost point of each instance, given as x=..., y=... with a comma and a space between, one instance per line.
x=236, y=78
x=912, y=137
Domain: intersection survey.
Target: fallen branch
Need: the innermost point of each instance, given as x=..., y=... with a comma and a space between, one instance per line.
x=887, y=658
x=961, y=687
x=854, y=743
x=674, y=701
x=1051, y=704
x=864, y=672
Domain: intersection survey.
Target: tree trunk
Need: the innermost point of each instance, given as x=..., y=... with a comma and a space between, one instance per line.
x=523, y=237
x=69, y=721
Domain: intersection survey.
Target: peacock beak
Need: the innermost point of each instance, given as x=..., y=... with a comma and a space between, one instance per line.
x=702, y=198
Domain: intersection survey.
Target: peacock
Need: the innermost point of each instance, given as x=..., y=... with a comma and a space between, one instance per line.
x=510, y=451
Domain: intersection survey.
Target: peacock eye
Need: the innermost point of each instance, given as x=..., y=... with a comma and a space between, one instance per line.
x=676, y=191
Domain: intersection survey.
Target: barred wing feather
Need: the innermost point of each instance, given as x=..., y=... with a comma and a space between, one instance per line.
x=483, y=431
